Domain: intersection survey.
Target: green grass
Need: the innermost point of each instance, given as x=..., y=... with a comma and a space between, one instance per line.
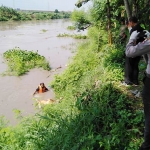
x=44, y=30
x=110, y=117
x=75, y=36
x=21, y=61
x=71, y=28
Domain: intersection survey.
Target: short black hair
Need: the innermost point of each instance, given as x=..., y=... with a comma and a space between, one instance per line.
x=133, y=19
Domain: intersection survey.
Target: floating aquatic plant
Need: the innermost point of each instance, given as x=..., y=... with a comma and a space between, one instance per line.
x=21, y=61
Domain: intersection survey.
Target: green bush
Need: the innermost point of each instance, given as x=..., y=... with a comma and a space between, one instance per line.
x=109, y=117
x=8, y=14
x=21, y=61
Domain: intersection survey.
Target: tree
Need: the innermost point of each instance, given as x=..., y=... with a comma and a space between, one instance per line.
x=108, y=12
x=81, y=2
x=81, y=19
x=109, y=23
x=56, y=11
x=127, y=7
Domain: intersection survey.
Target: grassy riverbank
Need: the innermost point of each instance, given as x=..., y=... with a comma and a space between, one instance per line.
x=7, y=14
x=96, y=112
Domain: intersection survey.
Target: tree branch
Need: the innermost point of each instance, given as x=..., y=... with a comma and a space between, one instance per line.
x=81, y=2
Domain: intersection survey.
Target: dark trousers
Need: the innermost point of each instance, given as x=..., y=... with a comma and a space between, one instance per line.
x=132, y=69
x=146, y=102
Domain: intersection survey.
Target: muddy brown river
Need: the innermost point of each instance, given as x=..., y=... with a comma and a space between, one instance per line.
x=16, y=92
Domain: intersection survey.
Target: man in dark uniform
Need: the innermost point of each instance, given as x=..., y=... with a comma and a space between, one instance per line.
x=131, y=64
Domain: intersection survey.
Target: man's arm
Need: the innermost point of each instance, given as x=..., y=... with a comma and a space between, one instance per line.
x=36, y=91
x=46, y=89
x=138, y=50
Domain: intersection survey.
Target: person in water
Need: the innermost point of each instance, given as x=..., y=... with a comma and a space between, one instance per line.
x=41, y=89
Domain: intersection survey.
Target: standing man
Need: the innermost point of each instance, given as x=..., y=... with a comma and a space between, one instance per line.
x=137, y=50
x=131, y=64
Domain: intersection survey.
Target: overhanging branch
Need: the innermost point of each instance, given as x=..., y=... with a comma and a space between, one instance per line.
x=81, y=2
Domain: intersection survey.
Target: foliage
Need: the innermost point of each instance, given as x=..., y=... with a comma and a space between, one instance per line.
x=81, y=2
x=44, y=30
x=71, y=27
x=81, y=19
x=21, y=61
x=142, y=13
x=107, y=114
x=7, y=14
x=75, y=36
x=94, y=113
x=99, y=12
x=56, y=11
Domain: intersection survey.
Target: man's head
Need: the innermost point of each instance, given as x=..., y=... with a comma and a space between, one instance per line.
x=42, y=85
x=133, y=21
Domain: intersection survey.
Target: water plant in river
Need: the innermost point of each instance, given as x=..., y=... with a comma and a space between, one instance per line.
x=44, y=30
x=21, y=61
x=71, y=27
x=75, y=36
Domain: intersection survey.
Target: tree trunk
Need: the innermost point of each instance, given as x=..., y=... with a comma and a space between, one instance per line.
x=127, y=7
x=109, y=23
x=135, y=8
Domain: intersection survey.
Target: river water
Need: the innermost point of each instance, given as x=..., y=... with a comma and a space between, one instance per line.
x=16, y=92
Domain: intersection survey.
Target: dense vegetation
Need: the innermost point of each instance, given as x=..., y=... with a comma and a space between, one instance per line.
x=7, y=14
x=21, y=61
x=96, y=112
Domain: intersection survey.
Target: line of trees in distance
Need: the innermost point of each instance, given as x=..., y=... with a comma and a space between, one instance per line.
x=7, y=14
